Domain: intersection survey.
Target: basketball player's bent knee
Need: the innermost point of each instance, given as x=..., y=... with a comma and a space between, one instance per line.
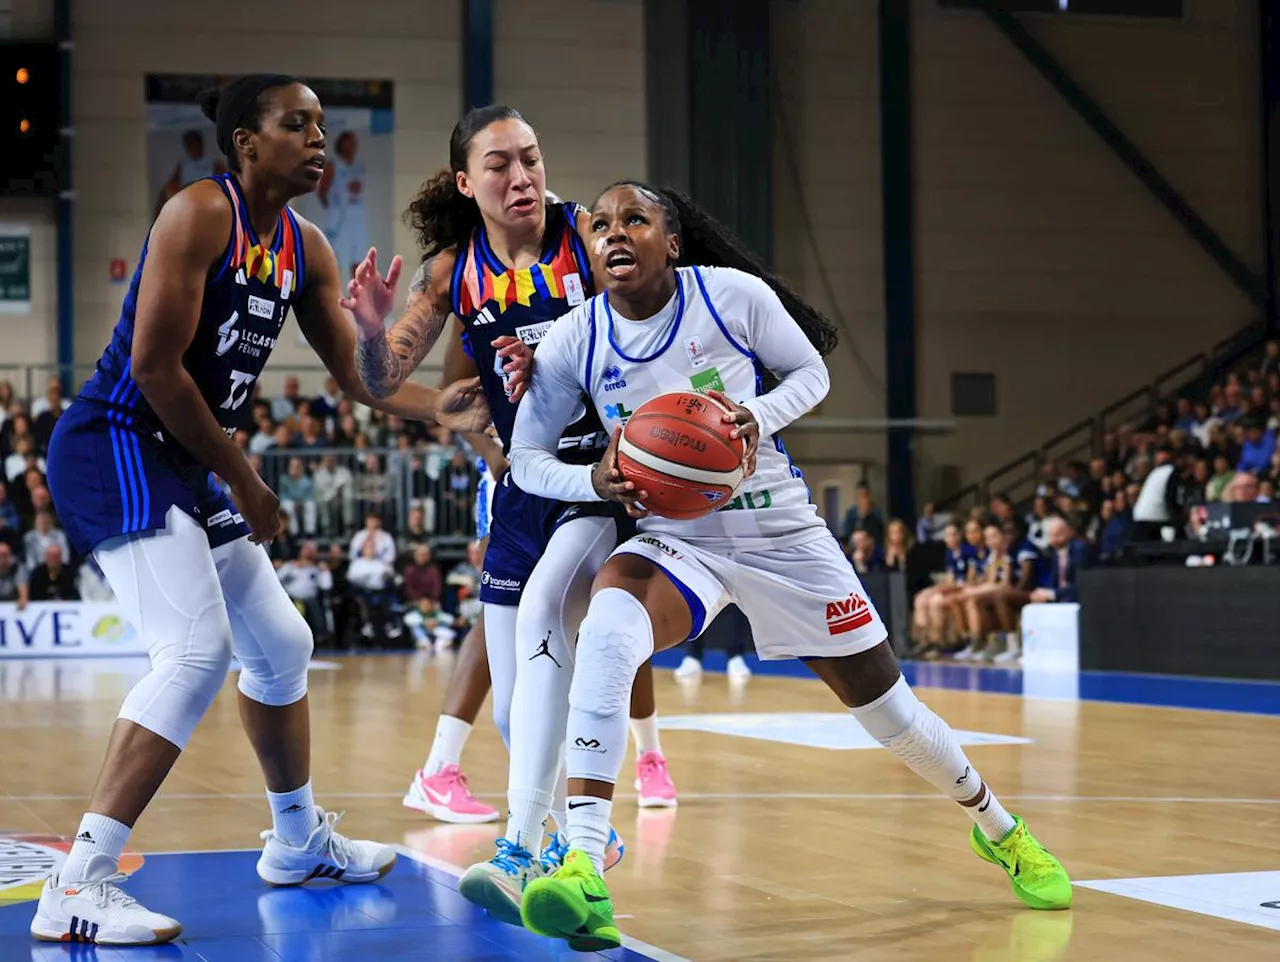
x=615, y=639
x=277, y=676
x=190, y=657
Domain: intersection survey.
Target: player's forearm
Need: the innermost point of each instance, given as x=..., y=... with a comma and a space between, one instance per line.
x=539, y=472
x=186, y=416
x=385, y=360
x=796, y=395
x=489, y=449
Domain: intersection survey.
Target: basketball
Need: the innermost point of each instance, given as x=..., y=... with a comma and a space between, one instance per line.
x=677, y=449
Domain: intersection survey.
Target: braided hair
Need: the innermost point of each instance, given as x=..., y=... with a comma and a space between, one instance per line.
x=705, y=241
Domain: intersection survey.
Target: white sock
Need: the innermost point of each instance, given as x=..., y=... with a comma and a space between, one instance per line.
x=293, y=815
x=446, y=749
x=560, y=804
x=645, y=732
x=589, y=826
x=902, y=723
x=526, y=818
x=97, y=835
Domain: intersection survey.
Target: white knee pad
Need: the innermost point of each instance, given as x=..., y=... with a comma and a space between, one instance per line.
x=269, y=636
x=615, y=639
x=168, y=586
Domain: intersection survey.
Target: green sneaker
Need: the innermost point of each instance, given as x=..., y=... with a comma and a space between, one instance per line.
x=1038, y=878
x=574, y=905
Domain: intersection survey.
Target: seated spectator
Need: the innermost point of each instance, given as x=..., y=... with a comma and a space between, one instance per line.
x=415, y=532
x=1259, y=445
x=863, y=515
x=898, y=545
x=23, y=457
x=1067, y=554
x=286, y=405
x=310, y=435
x=13, y=579
x=307, y=582
x=384, y=545
x=334, y=496
x=1157, y=505
x=1116, y=522
x=52, y=580
x=460, y=492
x=429, y=624
x=371, y=583
x=468, y=573
x=927, y=527
x=92, y=583
x=297, y=493
x=1266, y=491
x=422, y=578
x=41, y=537
x=865, y=555
x=265, y=437
x=1243, y=489
x=372, y=488
x=53, y=401
x=325, y=405
x=8, y=511
x=1036, y=522
x=1222, y=476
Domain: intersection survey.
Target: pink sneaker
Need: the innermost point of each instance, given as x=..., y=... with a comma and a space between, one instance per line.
x=445, y=796
x=655, y=786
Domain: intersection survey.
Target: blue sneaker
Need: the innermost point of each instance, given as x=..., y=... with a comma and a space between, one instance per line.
x=553, y=855
x=497, y=886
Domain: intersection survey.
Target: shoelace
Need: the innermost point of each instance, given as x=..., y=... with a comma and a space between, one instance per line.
x=338, y=847
x=553, y=855
x=460, y=780
x=106, y=891
x=653, y=765
x=511, y=858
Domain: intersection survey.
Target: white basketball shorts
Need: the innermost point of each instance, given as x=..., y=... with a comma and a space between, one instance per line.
x=802, y=602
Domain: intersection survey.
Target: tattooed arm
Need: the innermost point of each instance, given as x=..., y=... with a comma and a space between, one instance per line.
x=385, y=359
x=330, y=332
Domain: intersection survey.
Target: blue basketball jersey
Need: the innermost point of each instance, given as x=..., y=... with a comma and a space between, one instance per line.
x=246, y=300
x=492, y=300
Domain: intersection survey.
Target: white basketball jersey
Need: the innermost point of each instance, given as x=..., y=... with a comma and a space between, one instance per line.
x=704, y=340
x=347, y=189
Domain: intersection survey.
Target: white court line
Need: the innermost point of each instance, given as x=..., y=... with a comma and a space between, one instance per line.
x=635, y=945
x=736, y=796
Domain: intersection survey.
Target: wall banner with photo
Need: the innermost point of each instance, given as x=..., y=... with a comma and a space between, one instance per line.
x=353, y=204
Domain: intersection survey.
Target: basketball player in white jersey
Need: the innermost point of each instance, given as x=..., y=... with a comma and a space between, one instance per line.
x=196, y=165
x=658, y=329
x=341, y=192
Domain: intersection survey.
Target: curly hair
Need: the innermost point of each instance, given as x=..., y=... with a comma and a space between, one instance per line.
x=705, y=241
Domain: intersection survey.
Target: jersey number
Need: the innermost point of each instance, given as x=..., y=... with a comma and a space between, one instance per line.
x=241, y=388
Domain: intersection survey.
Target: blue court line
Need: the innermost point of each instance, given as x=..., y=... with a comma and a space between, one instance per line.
x=1165, y=691
x=230, y=915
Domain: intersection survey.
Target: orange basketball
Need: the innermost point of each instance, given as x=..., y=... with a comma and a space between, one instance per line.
x=677, y=449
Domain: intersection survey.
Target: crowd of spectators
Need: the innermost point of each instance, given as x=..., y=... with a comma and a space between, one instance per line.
x=367, y=500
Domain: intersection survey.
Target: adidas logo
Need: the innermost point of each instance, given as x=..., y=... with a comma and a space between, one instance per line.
x=85, y=837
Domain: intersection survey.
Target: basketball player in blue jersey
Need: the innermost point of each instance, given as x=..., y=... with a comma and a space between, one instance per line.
x=775, y=558
x=130, y=467
x=507, y=264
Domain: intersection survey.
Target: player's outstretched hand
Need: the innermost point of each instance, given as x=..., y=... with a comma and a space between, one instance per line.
x=517, y=365
x=747, y=428
x=462, y=407
x=370, y=296
x=259, y=507
x=609, y=483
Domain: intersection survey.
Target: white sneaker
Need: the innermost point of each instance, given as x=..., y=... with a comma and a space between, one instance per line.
x=497, y=886
x=689, y=669
x=97, y=910
x=737, y=669
x=968, y=651
x=326, y=854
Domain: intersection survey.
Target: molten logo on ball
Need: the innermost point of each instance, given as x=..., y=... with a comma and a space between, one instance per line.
x=677, y=439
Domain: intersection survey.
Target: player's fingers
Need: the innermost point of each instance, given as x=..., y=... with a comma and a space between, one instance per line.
x=517, y=392
x=346, y=303
x=393, y=272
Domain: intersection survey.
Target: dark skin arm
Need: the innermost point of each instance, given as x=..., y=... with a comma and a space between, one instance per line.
x=329, y=331
x=188, y=238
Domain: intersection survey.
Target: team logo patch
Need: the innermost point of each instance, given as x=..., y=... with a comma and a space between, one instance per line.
x=617, y=412
x=694, y=350
x=573, y=291
x=849, y=614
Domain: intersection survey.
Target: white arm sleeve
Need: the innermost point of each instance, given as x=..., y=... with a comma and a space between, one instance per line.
x=545, y=411
x=777, y=340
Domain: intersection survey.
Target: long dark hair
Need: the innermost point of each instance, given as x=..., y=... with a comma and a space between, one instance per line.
x=441, y=215
x=705, y=241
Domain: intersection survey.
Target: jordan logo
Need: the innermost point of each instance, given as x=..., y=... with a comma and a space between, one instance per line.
x=545, y=649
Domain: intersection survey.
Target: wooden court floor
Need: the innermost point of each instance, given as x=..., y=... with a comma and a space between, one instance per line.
x=778, y=851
